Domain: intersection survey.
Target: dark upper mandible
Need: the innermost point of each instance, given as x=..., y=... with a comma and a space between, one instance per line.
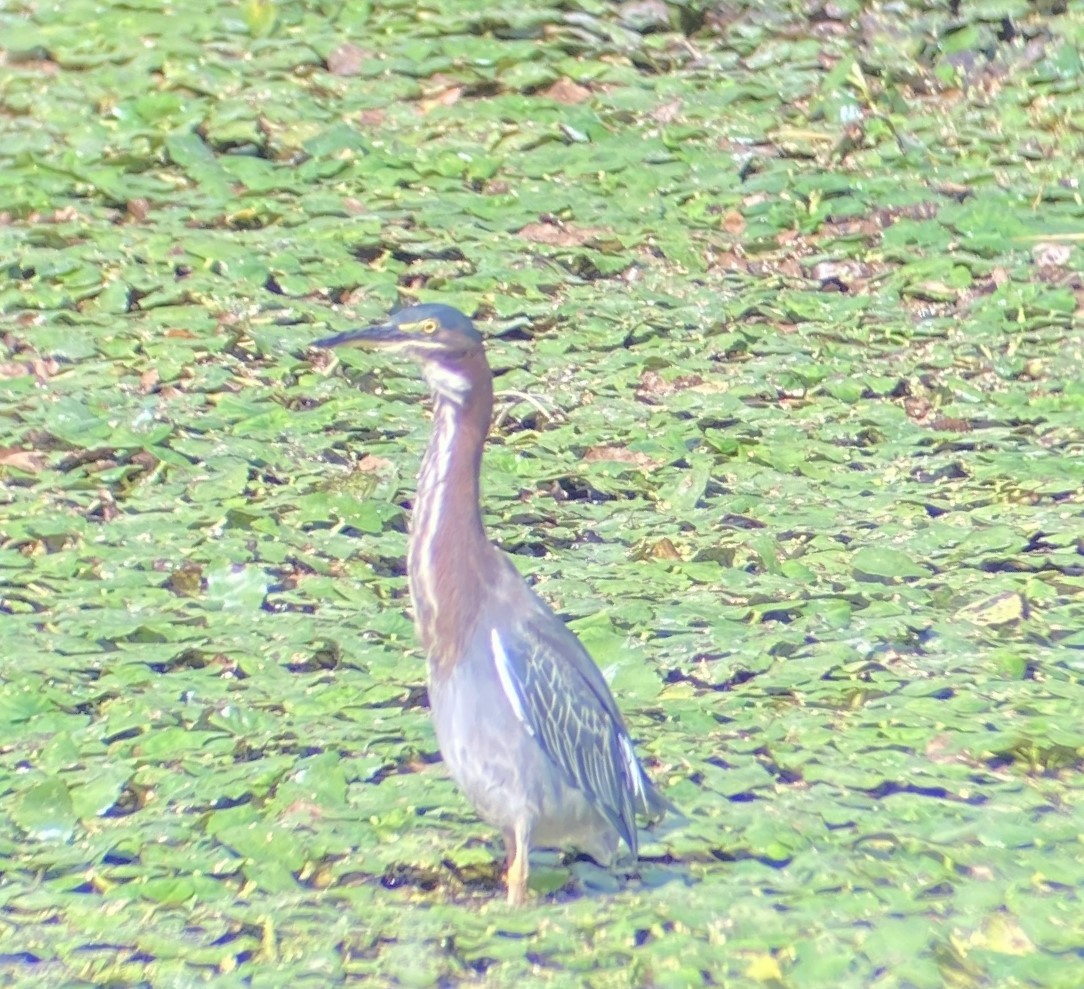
x=413, y=323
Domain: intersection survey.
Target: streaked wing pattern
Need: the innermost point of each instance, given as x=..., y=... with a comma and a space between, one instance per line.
x=567, y=706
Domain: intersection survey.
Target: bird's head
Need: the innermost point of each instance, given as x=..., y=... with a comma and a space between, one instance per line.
x=440, y=338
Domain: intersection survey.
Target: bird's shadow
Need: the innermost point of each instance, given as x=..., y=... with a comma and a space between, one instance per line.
x=564, y=876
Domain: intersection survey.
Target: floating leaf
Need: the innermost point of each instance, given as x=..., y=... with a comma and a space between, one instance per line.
x=45, y=811
x=887, y=563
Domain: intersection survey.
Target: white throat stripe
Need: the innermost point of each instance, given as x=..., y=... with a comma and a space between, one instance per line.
x=446, y=382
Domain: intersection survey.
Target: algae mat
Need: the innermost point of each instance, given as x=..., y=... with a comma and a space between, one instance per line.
x=786, y=307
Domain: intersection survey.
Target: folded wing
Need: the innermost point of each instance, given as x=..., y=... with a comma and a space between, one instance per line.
x=561, y=697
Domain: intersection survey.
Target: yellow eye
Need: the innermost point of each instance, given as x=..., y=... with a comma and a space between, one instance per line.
x=428, y=326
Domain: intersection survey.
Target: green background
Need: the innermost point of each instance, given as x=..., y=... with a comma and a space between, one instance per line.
x=786, y=309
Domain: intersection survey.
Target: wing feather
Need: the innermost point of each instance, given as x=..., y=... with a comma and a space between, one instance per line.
x=561, y=697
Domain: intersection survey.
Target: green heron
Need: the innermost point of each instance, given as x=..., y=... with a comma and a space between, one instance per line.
x=523, y=716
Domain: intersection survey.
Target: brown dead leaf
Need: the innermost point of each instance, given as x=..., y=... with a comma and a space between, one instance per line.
x=304, y=809
x=441, y=90
x=567, y=92
x=950, y=424
x=955, y=190
x=347, y=60
x=619, y=454
x=653, y=385
x=921, y=410
x=42, y=368
x=844, y=275
x=446, y=97
x=733, y=222
x=917, y=407
x=666, y=113
x=138, y=209
x=664, y=549
x=372, y=118
x=46, y=66
x=940, y=749
x=789, y=267
x=560, y=234
x=144, y=460
x=727, y=261
x=369, y=464
x=28, y=461
x=888, y=215
x=148, y=380
x=849, y=226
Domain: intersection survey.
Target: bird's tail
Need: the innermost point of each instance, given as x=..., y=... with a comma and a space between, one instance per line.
x=656, y=806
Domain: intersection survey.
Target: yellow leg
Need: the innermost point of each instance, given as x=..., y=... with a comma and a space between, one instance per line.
x=518, y=866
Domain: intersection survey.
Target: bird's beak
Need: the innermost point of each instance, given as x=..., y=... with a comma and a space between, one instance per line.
x=386, y=335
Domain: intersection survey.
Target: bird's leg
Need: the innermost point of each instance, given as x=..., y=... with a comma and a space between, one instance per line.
x=518, y=844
